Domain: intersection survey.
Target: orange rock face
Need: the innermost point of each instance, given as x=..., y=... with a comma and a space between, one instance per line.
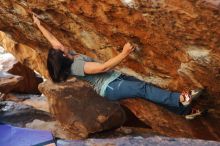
x=178, y=41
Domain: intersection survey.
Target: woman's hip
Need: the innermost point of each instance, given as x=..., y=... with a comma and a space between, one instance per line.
x=121, y=89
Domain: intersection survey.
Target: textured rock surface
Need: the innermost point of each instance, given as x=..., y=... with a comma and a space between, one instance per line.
x=54, y=126
x=27, y=111
x=40, y=103
x=37, y=101
x=178, y=41
x=139, y=141
x=19, y=114
x=29, y=84
x=169, y=124
x=8, y=82
x=81, y=113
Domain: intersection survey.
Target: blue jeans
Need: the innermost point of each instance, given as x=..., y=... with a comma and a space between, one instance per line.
x=130, y=87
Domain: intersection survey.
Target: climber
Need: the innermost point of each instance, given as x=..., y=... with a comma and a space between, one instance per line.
x=111, y=84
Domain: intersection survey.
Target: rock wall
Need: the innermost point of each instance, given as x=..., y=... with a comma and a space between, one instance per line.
x=178, y=41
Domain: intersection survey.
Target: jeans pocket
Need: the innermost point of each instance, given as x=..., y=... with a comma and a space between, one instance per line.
x=119, y=84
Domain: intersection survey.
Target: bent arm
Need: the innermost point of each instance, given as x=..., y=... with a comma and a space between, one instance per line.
x=94, y=67
x=56, y=44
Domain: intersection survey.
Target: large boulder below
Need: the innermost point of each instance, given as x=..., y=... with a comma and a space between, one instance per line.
x=80, y=110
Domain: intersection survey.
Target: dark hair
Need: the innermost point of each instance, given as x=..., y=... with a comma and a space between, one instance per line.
x=58, y=65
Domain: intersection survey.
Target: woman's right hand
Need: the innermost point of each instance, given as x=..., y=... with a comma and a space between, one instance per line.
x=128, y=48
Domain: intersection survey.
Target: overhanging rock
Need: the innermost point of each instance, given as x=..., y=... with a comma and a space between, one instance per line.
x=178, y=43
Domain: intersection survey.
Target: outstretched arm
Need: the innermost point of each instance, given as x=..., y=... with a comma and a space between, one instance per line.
x=56, y=44
x=94, y=67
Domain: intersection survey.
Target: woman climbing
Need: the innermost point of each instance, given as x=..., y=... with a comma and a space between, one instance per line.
x=108, y=83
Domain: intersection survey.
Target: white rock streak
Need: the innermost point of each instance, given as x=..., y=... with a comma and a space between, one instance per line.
x=5, y=58
x=130, y=3
x=199, y=54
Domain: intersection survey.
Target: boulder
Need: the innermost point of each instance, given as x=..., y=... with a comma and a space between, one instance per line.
x=39, y=103
x=79, y=109
x=19, y=114
x=178, y=45
x=30, y=81
x=167, y=123
x=8, y=82
x=30, y=111
x=34, y=100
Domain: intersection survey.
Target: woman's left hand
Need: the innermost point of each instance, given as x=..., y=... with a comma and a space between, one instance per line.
x=128, y=48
